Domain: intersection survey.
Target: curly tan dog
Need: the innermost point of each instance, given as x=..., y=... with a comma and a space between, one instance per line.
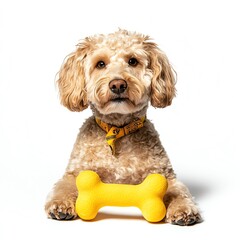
x=117, y=75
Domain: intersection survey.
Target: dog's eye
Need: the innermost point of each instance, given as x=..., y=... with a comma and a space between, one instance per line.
x=100, y=65
x=133, y=62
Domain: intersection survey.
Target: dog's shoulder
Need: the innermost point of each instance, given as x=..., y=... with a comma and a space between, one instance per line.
x=90, y=128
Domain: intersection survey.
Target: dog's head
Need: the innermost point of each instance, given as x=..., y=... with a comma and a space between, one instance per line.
x=116, y=73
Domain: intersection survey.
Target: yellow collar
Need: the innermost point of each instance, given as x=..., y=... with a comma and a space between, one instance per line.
x=113, y=132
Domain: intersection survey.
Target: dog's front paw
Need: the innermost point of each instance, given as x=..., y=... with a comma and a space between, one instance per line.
x=60, y=210
x=183, y=213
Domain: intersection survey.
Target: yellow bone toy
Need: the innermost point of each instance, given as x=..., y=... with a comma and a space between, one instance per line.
x=94, y=194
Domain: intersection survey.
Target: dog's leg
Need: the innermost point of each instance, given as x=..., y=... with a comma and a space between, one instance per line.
x=181, y=208
x=61, y=201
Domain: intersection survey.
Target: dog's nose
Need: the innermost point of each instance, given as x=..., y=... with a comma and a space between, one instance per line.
x=118, y=86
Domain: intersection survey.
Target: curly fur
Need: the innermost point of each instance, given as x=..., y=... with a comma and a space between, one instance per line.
x=82, y=84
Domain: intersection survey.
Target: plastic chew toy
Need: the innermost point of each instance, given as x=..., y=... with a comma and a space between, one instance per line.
x=94, y=194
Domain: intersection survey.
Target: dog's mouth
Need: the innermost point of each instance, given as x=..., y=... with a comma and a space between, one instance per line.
x=119, y=99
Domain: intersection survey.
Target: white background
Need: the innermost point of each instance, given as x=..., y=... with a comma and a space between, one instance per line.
x=200, y=131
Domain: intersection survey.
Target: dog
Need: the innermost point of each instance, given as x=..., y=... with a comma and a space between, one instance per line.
x=118, y=75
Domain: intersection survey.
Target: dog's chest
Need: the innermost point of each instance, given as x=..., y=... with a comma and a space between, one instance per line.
x=137, y=155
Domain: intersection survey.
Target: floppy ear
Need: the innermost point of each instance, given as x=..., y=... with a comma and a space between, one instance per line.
x=71, y=82
x=163, y=81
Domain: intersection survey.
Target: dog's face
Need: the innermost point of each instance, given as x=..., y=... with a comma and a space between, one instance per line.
x=116, y=73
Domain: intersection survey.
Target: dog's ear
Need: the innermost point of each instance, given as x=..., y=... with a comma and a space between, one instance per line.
x=71, y=81
x=163, y=81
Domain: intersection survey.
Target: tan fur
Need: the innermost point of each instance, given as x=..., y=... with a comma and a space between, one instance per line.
x=72, y=81
x=163, y=81
x=81, y=83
